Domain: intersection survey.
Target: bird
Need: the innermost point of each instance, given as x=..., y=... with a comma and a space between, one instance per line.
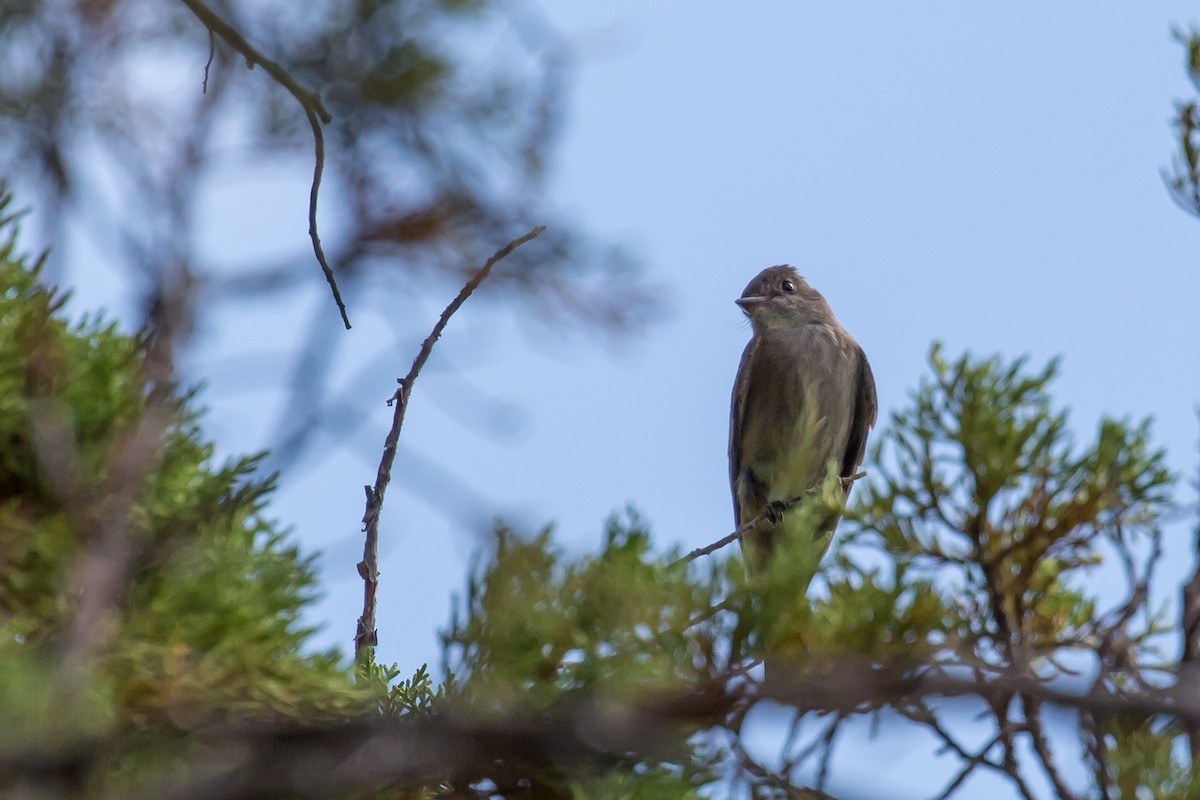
x=804, y=396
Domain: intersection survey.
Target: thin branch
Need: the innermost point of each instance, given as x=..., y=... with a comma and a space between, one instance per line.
x=1095, y=748
x=964, y=772
x=365, y=634
x=212, y=52
x=741, y=531
x=314, y=190
x=971, y=762
x=780, y=507
x=792, y=760
x=1041, y=746
x=827, y=754
x=707, y=614
x=455, y=746
x=921, y=714
x=314, y=110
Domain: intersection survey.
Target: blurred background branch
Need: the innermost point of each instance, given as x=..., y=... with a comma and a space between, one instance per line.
x=314, y=110
x=442, y=122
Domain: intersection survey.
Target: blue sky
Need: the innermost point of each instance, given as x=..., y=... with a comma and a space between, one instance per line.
x=982, y=174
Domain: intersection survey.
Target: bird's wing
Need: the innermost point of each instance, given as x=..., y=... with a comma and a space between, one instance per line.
x=737, y=413
x=866, y=407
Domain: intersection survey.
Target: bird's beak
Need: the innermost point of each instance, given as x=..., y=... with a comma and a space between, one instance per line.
x=748, y=304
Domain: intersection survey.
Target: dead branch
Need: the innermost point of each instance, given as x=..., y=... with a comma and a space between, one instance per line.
x=314, y=111
x=365, y=634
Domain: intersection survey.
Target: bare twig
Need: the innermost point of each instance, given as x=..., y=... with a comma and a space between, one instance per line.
x=1094, y=745
x=827, y=752
x=212, y=52
x=314, y=110
x=365, y=634
x=782, y=506
x=970, y=761
x=1041, y=746
x=922, y=714
x=741, y=531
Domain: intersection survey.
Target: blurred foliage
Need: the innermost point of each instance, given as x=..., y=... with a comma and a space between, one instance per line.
x=1144, y=761
x=536, y=627
x=973, y=548
x=1183, y=176
x=444, y=114
x=209, y=627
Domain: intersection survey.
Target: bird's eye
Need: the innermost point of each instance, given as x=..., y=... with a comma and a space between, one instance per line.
x=788, y=286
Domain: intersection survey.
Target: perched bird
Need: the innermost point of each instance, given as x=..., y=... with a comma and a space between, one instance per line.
x=804, y=396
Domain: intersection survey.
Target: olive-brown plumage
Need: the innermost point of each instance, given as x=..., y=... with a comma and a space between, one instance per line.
x=804, y=395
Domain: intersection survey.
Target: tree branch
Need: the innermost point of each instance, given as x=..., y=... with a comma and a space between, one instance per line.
x=314, y=110
x=365, y=634
x=455, y=745
x=781, y=507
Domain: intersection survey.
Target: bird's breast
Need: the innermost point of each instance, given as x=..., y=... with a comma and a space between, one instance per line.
x=798, y=408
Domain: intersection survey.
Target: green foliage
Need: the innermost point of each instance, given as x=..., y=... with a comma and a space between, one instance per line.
x=658, y=783
x=537, y=627
x=980, y=485
x=210, y=625
x=971, y=547
x=1143, y=761
x=541, y=633
x=396, y=697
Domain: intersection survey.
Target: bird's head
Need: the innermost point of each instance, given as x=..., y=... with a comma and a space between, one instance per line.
x=779, y=297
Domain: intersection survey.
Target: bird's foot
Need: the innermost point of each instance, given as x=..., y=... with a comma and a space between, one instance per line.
x=775, y=511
